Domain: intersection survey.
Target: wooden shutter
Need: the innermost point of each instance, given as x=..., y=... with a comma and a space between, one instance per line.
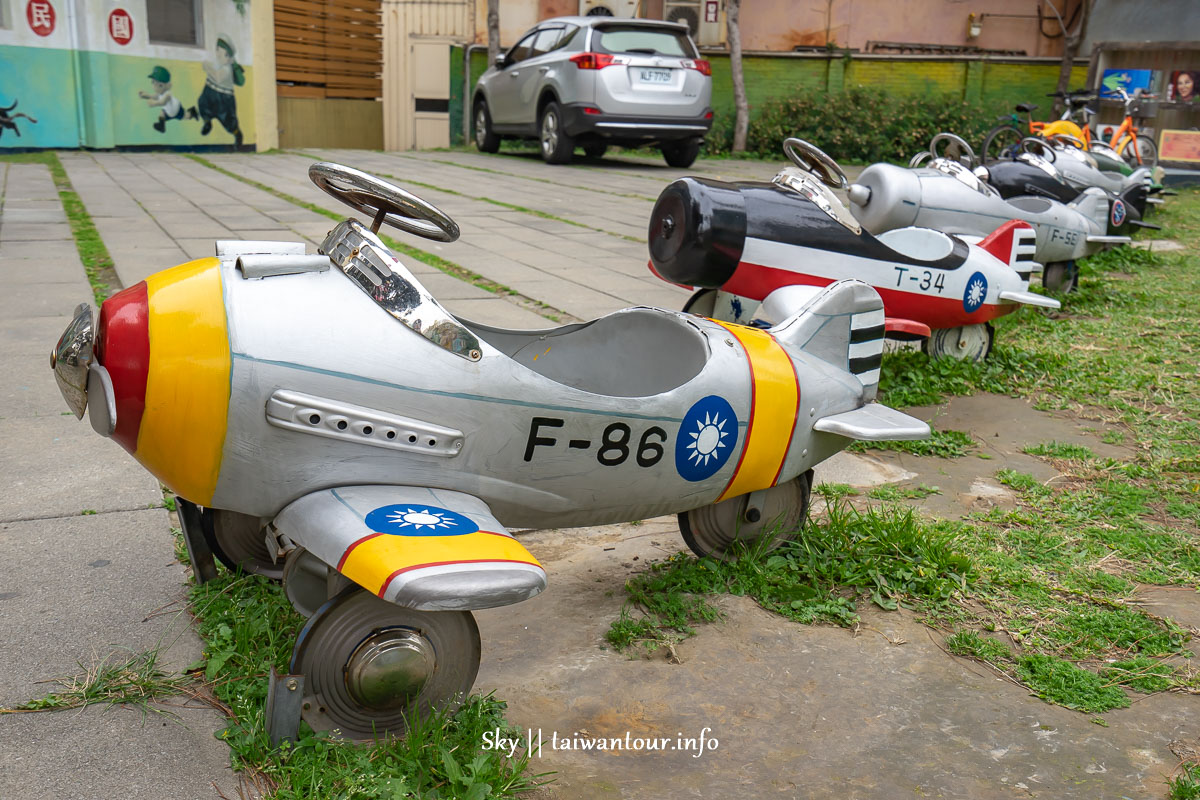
x=329, y=48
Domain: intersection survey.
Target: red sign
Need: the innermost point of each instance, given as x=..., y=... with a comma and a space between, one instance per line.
x=41, y=17
x=1179, y=146
x=120, y=26
x=711, y=9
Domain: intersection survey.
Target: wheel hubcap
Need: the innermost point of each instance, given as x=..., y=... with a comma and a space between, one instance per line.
x=549, y=133
x=389, y=668
x=480, y=125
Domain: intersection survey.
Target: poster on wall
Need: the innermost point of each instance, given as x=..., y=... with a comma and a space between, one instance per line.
x=1182, y=86
x=1128, y=79
x=1180, y=146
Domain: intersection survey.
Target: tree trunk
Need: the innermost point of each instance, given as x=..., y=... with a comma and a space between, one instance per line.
x=741, y=121
x=1071, y=43
x=493, y=28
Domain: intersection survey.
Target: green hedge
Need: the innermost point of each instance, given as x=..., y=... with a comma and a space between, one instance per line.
x=857, y=125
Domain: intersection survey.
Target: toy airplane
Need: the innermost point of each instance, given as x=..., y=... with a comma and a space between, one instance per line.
x=738, y=242
x=946, y=195
x=325, y=412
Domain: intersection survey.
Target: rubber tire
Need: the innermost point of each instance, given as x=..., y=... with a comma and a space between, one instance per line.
x=703, y=303
x=1060, y=276
x=595, y=149
x=943, y=343
x=681, y=154
x=1001, y=137
x=721, y=544
x=563, y=146
x=1147, y=148
x=486, y=139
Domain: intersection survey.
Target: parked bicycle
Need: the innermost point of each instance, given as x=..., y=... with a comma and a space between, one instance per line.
x=1138, y=151
x=1004, y=140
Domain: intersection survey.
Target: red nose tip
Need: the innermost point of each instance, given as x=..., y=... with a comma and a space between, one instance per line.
x=123, y=348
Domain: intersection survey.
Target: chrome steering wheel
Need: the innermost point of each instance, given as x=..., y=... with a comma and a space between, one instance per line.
x=383, y=202
x=919, y=159
x=955, y=140
x=810, y=157
x=1069, y=139
x=1039, y=148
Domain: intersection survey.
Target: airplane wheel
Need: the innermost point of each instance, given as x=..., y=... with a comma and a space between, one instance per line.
x=368, y=663
x=703, y=303
x=1061, y=276
x=713, y=530
x=968, y=343
x=238, y=541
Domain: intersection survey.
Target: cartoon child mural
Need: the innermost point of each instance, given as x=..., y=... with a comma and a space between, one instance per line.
x=217, y=100
x=161, y=97
x=8, y=120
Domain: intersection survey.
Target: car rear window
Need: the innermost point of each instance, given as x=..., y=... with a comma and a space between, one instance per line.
x=642, y=39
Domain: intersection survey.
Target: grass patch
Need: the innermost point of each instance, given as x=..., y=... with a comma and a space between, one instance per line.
x=896, y=493
x=432, y=259
x=1186, y=785
x=1140, y=674
x=1065, y=684
x=971, y=644
x=942, y=444
x=1060, y=450
x=887, y=556
x=97, y=263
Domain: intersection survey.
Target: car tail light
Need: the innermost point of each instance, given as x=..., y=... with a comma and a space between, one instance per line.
x=595, y=60
x=709, y=115
x=591, y=110
x=700, y=65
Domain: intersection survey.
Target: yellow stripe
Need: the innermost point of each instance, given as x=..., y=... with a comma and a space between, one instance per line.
x=187, y=387
x=773, y=418
x=371, y=563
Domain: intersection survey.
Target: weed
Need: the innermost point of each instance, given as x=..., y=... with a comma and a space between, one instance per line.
x=135, y=680
x=1185, y=786
x=969, y=643
x=1061, y=450
x=87, y=512
x=1140, y=674
x=943, y=444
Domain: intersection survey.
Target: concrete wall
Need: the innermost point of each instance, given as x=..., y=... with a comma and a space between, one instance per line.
x=80, y=82
x=780, y=25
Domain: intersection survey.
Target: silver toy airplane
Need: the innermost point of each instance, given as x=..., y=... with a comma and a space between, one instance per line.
x=326, y=414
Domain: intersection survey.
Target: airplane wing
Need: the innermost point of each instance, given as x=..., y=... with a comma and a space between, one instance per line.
x=428, y=549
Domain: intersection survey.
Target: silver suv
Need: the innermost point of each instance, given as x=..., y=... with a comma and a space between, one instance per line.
x=596, y=81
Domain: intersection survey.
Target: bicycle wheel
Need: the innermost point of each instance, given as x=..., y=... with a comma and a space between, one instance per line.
x=1003, y=141
x=1144, y=155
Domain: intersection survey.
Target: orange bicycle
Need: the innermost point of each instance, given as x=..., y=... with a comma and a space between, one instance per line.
x=1138, y=151
x=1004, y=140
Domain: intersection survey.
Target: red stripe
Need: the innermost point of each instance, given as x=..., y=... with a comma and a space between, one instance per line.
x=749, y=420
x=350, y=549
x=756, y=281
x=390, y=578
x=123, y=347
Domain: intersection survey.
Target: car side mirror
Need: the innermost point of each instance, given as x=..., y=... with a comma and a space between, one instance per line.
x=501, y=60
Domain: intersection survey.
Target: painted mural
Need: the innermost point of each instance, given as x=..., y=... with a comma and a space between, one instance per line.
x=118, y=88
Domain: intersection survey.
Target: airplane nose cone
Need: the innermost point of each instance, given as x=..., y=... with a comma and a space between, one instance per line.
x=123, y=348
x=697, y=231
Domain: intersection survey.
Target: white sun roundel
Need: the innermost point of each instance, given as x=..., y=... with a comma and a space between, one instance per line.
x=403, y=519
x=976, y=292
x=707, y=439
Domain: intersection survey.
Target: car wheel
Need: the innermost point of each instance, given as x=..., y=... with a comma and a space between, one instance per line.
x=681, y=154
x=485, y=138
x=557, y=146
x=595, y=149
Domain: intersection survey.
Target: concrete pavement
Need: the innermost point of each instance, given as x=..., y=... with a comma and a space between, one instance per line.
x=87, y=564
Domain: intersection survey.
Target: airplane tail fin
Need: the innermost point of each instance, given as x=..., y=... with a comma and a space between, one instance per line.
x=842, y=324
x=1014, y=243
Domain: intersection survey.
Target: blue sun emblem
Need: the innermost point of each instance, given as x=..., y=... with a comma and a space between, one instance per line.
x=706, y=438
x=1118, y=213
x=418, y=519
x=976, y=293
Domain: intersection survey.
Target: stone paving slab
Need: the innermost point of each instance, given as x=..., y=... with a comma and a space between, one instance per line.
x=87, y=587
x=115, y=753
x=64, y=267
x=29, y=389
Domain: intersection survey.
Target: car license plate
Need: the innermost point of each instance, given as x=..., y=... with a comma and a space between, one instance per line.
x=656, y=76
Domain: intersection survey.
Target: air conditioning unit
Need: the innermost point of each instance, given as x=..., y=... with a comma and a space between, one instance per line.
x=704, y=19
x=608, y=8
